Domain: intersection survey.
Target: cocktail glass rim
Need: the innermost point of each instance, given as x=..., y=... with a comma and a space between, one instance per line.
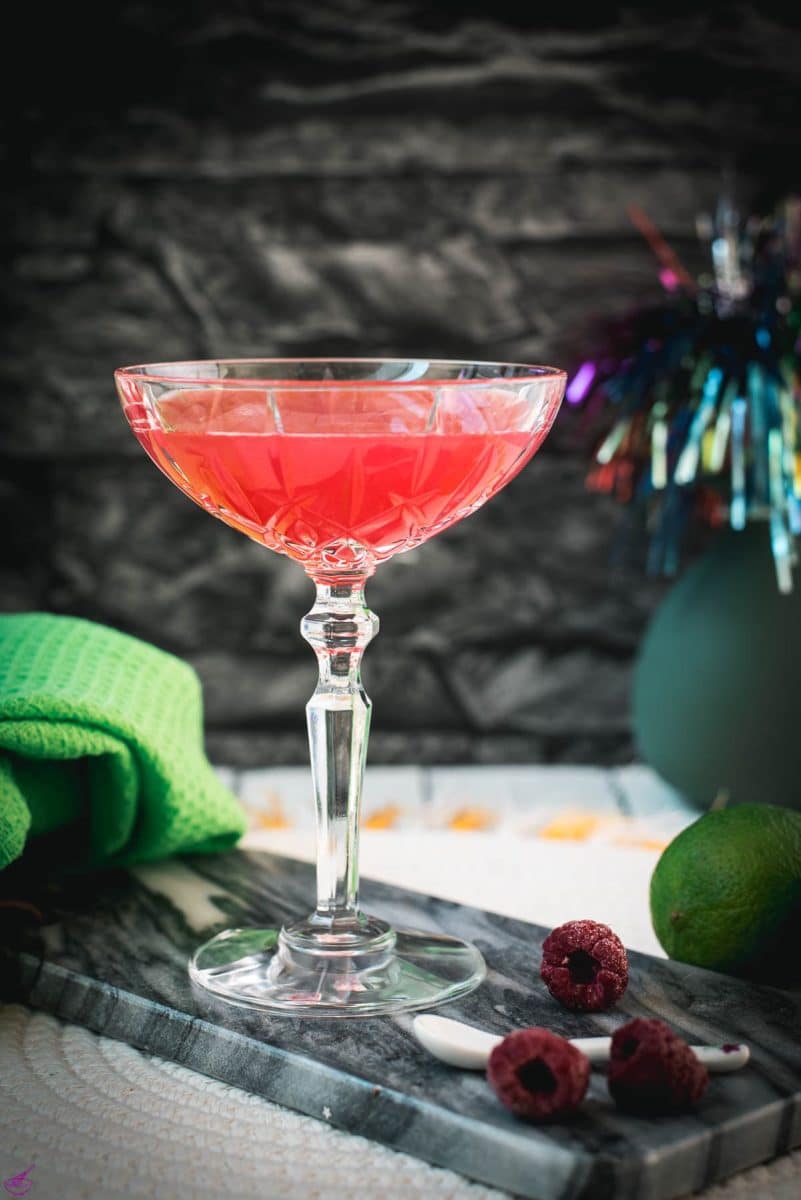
x=154, y=372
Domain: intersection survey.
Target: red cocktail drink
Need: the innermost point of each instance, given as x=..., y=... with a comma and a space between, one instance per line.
x=317, y=491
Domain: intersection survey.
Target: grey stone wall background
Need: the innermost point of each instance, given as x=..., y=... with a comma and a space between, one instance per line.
x=357, y=178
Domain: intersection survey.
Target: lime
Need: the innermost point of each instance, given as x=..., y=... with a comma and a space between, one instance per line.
x=726, y=893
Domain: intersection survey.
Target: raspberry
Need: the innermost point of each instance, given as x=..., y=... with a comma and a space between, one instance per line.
x=538, y=1075
x=584, y=965
x=652, y=1071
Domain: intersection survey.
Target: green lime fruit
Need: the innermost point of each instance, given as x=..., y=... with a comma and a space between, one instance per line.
x=726, y=893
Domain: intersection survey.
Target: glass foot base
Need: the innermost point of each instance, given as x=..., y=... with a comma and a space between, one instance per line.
x=300, y=972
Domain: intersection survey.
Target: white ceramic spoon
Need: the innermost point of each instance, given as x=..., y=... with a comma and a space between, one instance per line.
x=465, y=1046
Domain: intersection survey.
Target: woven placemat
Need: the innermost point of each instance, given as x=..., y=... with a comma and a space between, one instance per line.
x=102, y=1120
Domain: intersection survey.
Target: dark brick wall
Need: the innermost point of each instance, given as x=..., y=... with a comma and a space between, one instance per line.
x=345, y=178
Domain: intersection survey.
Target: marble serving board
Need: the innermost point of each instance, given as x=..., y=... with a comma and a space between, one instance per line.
x=111, y=952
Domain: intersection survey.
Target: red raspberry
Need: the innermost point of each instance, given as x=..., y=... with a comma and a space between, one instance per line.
x=652, y=1071
x=584, y=965
x=538, y=1075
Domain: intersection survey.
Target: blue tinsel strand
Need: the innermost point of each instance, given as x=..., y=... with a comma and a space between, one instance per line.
x=700, y=400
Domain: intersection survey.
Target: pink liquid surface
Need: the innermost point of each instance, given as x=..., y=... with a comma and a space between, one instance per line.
x=335, y=500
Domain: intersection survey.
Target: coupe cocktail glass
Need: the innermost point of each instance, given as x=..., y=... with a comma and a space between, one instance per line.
x=339, y=464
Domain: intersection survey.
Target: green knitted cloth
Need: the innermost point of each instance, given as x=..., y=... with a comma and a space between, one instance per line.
x=101, y=739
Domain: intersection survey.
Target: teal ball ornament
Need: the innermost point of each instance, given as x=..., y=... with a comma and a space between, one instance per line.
x=717, y=683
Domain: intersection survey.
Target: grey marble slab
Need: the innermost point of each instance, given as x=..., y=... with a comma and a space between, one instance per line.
x=111, y=951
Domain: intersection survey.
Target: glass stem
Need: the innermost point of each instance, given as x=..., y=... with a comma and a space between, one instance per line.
x=338, y=628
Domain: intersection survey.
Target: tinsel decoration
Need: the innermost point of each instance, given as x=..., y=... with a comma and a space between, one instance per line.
x=697, y=398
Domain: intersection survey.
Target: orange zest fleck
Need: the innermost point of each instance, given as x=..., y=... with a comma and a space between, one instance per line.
x=640, y=843
x=383, y=818
x=471, y=820
x=273, y=816
x=572, y=827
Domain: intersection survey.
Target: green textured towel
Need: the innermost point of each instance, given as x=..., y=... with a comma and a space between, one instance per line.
x=101, y=737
